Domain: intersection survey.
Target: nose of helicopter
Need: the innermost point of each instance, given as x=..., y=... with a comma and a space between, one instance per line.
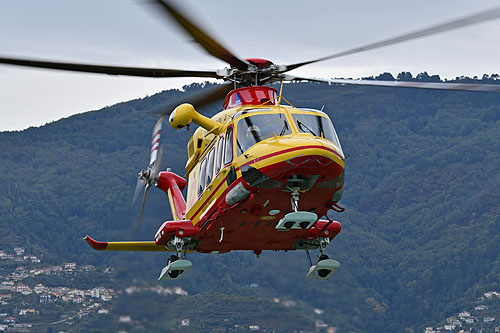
x=297, y=161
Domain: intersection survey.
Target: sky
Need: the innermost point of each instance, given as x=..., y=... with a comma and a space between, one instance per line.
x=132, y=33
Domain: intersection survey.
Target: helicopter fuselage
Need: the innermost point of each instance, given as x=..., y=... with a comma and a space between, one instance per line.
x=242, y=179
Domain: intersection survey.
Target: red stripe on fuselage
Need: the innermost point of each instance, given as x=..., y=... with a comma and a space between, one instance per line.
x=289, y=150
x=210, y=197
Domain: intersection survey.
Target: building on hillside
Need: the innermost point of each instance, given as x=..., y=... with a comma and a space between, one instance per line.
x=70, y=265
x=288, y=303
x=320, y=326
x=46, y=298
x=5, y=297
x=185, y=322
x=24, y=327
x=491, y=294
x=125, y=319
x=24, y=312
x=34, y=259
x=481, y=307
x=56, y=270
x=40, y=289
x=21, y=288
x=88, y=268
x=19, y=251
x=463, y=314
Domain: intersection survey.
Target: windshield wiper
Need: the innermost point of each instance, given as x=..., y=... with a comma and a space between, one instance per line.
x=301, y=126
x=285, y=128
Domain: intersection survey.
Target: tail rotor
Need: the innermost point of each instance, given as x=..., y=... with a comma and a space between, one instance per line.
x=149, y=176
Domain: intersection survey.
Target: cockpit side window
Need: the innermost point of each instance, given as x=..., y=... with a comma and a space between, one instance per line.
x=201, y=179
x=210, y=166
x=255, y=128
x=220, y=151
x=228, y=153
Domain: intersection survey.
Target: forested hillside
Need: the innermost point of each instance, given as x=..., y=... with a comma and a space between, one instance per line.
x=420, y=234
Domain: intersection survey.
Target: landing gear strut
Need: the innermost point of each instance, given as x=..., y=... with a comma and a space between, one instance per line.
x=177, y=266
x=296, y=219
x=324, y=267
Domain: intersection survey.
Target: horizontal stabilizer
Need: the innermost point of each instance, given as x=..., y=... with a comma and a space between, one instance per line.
x=124, y=246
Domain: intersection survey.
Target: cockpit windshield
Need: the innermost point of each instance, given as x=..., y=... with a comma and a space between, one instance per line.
x=256, y=128
x=316, y=125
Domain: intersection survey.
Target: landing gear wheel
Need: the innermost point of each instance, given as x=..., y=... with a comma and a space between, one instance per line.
x=323, y=272
x=171, y=259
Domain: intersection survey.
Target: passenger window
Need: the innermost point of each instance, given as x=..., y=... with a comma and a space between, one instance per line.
x=220, y=150
x=201, y=179
x=228, y=154
x=210, y=166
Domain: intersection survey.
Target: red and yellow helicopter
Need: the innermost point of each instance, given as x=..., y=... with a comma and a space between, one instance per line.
x=262, y=174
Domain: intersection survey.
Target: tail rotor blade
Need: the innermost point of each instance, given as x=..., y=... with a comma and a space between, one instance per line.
x=157, y=165
x=138, y=188
x=139, y=218
x=155, y=143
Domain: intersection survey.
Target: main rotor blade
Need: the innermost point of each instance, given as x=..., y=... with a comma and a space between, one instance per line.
x=110, y=70
x=487, y=15
x=407, y=84
x=201, y=37
x=139, y=218
x=198, y=100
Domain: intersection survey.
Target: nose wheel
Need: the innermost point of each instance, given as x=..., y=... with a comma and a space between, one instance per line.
x=296, y=219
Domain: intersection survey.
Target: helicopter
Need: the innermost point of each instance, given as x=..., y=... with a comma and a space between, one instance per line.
x=262, y=174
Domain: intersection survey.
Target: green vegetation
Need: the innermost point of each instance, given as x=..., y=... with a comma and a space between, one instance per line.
x=420, y=233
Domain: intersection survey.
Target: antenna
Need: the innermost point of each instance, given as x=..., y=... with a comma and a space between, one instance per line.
x=281, y=92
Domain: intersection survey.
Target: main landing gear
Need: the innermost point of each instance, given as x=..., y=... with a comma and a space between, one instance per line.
x=177, y=266
x=324, y=267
